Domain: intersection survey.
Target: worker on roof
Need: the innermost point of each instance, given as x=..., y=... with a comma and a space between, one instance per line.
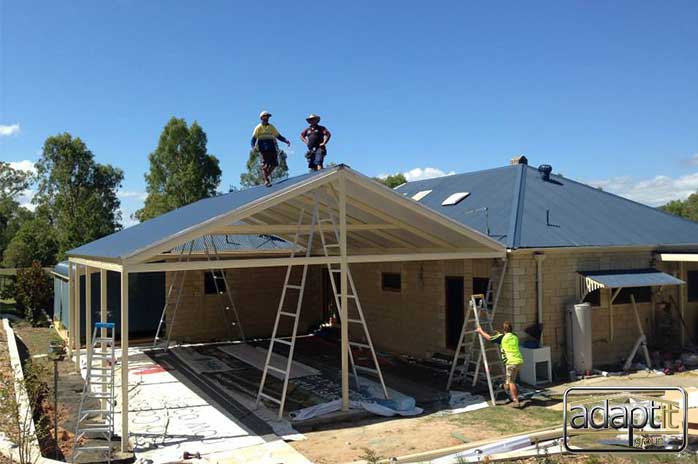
x=511, y=356
x=316, y=138
x=264, y=139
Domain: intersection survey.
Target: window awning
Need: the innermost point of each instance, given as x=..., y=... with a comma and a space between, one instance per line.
x=593, y=280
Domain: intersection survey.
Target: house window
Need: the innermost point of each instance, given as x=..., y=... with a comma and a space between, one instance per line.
x=391, y=281
x=210, y=283
x=642, y=295
x=692, y=283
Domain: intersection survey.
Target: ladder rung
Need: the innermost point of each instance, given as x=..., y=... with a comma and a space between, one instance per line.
x=270, y=398
x=95, y=411
x=335, y=270
x=282, y=341
x=99, y=383
x=97, y=368
x=332, y=245
x=366, y=369
x=101, y=396
x=362, y=345
x=326, y=220
x=286, y=313
x=93, y=448
x=101, y=429
x=276, y=369
x=295, y=287
x=355, y=321
x=348, y=296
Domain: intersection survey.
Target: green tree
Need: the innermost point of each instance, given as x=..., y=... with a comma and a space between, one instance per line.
x=12, y=183
x=77, y=194
x=34, y=241
x=392, y=181
x=687, y=208
x=253, y=176
x=181, y=170
x=33, y=292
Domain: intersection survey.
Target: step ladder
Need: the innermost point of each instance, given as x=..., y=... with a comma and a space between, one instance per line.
x=355, y=313
x=475, y=351
x=176, y=287
x=290, y=291
x=97, y=423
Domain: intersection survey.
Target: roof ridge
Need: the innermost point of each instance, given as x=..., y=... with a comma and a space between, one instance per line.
x=513, y=238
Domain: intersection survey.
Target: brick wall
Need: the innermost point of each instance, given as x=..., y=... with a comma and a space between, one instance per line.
x=256, y=294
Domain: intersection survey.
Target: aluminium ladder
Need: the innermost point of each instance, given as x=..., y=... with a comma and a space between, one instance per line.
x=97, y=423
x=176, y=287
x=476, y=352
x=356, y=317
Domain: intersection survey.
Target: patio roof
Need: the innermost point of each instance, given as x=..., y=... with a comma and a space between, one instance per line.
x=381, y=225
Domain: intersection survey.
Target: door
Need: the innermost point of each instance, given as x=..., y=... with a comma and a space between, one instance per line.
x=455, y=315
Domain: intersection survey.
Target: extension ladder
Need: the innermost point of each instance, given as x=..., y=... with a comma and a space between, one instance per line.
x=176, y=287
x=476, y=352
x=97, y=423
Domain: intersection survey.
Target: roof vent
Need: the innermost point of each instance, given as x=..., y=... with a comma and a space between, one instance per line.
x=518, y=160
x=545, y=170
x=419, y=195
x=455, y=198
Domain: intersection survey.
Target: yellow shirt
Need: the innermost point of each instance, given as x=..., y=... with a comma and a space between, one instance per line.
x=262, y=132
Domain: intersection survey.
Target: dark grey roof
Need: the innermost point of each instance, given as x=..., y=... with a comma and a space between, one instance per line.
x=524, y=211
x=632, y=278
x=137, y=237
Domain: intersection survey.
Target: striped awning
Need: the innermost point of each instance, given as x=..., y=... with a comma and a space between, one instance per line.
x=594, y=280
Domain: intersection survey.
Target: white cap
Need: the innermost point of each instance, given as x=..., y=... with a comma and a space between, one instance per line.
x=264, y=113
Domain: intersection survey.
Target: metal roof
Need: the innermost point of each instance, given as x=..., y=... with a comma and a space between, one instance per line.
x=127, y=241
x=632, y=278
x=524, y=211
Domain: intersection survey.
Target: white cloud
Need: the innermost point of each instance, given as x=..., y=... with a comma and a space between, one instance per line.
x=422, y=174
x=24, y=165
x=692, y=161
x=25, y=199
x=132, y=194
x=655, y=191
x=7, y=130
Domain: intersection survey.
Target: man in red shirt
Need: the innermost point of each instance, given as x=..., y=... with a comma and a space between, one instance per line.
x=316, y=138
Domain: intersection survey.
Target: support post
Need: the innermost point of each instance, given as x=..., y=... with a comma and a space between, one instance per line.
x=78, y=335
x=344, y=284
x=71, y=309
x=103, y=318
x=683, y=296
x=88, y=308
x=124, y=361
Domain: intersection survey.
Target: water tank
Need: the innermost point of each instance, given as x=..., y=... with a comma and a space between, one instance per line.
x=579, y=338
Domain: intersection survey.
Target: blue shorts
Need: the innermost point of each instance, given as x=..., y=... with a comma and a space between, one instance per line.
x=316, y=157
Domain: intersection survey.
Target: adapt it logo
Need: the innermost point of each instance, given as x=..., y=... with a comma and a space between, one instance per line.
x=625, y=419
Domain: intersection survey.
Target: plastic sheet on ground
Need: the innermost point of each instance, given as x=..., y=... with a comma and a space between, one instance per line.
x=322, y=409
x=461, y=402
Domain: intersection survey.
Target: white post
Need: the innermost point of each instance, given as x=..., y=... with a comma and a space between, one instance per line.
x=683, y=296
x=344, y=284
x=71, y=309
x=124, y=361
x=103, y=318
x=78, y=272
x=88, y=308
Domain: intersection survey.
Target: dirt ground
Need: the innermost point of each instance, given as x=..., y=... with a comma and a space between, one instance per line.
x=395, y=437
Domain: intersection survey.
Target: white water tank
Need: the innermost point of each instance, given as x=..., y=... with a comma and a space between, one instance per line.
x=579, y=337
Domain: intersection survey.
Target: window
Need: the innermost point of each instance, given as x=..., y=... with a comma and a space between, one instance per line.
x=692, y=283
x=210, y=283
x=455, y=198
x=391, y=281
x=419, y=195
x=642, y=295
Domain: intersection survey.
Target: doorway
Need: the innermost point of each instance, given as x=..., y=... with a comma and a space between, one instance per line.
x=455, y=306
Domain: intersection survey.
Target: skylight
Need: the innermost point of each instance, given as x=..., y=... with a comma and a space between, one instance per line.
x=419, y=195
x=455, y=198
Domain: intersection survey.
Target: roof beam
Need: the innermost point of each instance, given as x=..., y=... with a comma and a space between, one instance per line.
x=98, y=264
x=273, y=229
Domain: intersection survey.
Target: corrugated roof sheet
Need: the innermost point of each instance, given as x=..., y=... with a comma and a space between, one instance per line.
x=632, y=278
x=524, y=211
x=128, y=241
x=239, y=243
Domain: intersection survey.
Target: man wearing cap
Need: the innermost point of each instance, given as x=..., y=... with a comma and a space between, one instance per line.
x=264, y=139
x=315, y=137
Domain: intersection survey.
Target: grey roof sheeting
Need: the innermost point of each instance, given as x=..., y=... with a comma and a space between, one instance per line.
x=632, y=278
x=128, y=241
x=525, y=211
x=227, y=243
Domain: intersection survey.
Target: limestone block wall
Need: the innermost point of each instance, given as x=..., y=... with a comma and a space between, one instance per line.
x=256, y=294
x=412, y=321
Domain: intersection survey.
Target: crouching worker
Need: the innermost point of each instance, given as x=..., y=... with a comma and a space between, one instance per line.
x=264, y=139
x=511, y=356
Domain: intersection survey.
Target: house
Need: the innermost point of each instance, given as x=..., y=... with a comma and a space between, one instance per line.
x=414, y=254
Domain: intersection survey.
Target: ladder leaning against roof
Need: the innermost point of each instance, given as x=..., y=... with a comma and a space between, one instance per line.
x=176, y=289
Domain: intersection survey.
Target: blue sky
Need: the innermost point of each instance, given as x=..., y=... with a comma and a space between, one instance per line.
x=606, y=92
